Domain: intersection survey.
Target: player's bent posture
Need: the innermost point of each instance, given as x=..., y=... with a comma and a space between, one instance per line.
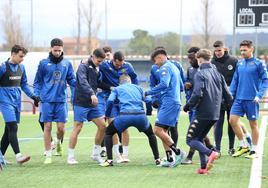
x=132, y=114
x=209, y=89
x=248, y=86
x=170, y=99
x=86, y=104
x=12, y=79
x=111, y=70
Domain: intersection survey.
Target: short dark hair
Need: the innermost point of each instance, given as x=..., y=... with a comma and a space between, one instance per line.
x=107, y=49
x=218, y=43
x=99, y=53
x=247, y=43
x=204, y=53
x=193, y=49
x=118, y=56
x=17, y=48
x=56, y=42
x=157, y=52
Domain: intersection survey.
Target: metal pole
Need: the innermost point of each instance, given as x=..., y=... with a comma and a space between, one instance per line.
x=256, y=42
x=106, y=23
x=32, y=37
x=234, y=34
x=181, y=38
x=78, y=28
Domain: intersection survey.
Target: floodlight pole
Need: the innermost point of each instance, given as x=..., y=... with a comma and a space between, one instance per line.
x=106, y=23
x=256, y=42
x=181, y=38
x=234, y=33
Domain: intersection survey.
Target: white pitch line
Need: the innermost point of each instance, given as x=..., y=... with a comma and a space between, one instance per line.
x=256, y=168
x=90, y=137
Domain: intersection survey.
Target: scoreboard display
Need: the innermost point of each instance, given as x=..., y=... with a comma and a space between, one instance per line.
x=251, y=13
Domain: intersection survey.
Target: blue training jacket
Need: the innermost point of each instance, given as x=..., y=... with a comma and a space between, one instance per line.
x=50, y=80
x=155, y=78
x=191, y=71
x=12, y=95
x=250, y=79
x=110, y=75
x=130, y=98
x=169, y=85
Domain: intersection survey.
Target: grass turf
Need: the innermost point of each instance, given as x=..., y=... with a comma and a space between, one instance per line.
x=140, y=172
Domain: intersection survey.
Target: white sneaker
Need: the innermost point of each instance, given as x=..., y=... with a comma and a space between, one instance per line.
x=119, y=159
x=125, y=159
x=52, y=145
x=97, y=158
x=23, y=159
x=72, y=161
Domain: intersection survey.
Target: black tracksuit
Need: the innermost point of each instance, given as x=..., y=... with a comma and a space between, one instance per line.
x=226, y=66
x=88, y=79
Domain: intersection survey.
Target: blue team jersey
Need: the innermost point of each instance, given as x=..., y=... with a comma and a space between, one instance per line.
x=51, y=80
x=250, y=79
x=155, y=77
x=130, y=99
x=12, y=95
x=169, y=85
x=110, y=75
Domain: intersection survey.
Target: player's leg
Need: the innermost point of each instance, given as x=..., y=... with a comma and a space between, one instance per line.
x=218, y=130
x=110, y=131
x=237, y=110
x=101, y=127
x=153, y=144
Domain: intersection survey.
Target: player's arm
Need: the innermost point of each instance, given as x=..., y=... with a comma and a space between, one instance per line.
x=103, y=85
x=112, y=97
x=228, y=99
x=234, y=83
x=24, y=85
x=71, y=76
x=38, y=80
x=163, y=84
x=83, y=81
x=2, y=69
x=264, y=80
x=133, y=75
x=197, y=94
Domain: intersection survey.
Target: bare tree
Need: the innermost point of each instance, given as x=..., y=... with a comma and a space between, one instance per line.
x=12, y=29
x=92, y=22
x=207, y=25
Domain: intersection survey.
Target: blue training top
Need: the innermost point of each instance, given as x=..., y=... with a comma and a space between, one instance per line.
x=50, y=80
x=12, y=95
x=130, y=98
x=168, y=87
x=110, y=75
x=250, y=79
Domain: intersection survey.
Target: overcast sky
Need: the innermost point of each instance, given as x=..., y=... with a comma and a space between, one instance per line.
x=57, y=18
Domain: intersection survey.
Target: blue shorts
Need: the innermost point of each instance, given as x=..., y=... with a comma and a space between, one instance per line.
x=140, y=121
x=168, y=114
x=82, y=114
x=10, y=112
x=102, y=105
x=54, y=112
x=241, y=107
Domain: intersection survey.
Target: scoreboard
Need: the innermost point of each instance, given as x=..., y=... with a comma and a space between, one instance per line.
x=251, y=13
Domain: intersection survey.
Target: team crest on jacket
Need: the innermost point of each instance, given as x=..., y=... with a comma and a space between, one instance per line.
x=57, y=75
x=230, y=67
